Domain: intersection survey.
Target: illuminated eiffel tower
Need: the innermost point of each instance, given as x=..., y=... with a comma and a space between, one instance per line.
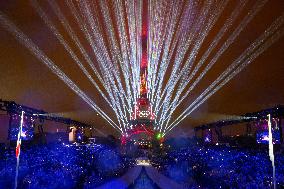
x=142, y=123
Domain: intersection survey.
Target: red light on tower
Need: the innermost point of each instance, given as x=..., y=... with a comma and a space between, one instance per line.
x=144, y=60
x=142, y=119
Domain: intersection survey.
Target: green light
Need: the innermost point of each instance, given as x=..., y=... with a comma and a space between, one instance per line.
x=159, y=136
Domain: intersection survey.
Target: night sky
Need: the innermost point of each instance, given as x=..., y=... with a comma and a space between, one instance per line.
x=27, y=81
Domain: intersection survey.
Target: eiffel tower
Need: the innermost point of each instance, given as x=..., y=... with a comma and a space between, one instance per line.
x=142, y=123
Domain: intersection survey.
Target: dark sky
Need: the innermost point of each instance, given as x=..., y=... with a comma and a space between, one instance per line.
x=27, y=81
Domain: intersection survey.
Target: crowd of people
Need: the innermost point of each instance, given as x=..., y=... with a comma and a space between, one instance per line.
x=221, y=167
x=91, y=165
x=62, y=166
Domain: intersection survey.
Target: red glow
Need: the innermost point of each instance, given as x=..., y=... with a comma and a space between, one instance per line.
x=141, y=129
x=18, y=148
x=123, y=140
x=142, y=102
